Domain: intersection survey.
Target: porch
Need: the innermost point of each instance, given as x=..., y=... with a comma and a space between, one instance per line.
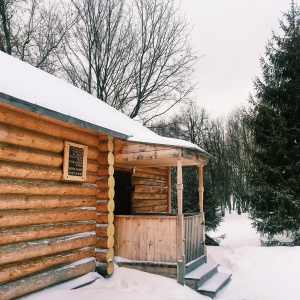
x=154, y=238
x=151, y=237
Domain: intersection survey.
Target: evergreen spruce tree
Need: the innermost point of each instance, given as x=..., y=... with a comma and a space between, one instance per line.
x=275, y=125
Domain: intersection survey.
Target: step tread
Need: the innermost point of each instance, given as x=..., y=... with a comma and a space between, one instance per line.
x=201, y=271
x=215, y=283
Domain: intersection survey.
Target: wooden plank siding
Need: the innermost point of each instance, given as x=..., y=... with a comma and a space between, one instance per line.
x=194, y=236
x=46, y=222
x=146, y=238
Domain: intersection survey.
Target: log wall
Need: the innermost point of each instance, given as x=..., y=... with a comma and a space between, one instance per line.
x=47, y=224
x=105, y=206
x=151, y=190
x=151, y=184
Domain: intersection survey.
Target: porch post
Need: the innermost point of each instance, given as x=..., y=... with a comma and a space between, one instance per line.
x=201, y=190
x=200, y=187
x=179, y=186
x=180, y=227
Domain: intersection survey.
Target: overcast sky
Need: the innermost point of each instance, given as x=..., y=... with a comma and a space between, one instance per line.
x=231, y=35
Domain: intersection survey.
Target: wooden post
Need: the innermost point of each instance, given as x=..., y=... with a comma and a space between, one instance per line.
x=201, y=190
x=169, y=182
x=179, y=186
x=180, y=227
x=200, y=187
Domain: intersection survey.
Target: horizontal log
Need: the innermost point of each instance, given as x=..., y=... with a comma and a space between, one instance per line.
x=103, y=136
x=147, y=155
x=157, y=171
x=154, y=209
x=39, y=124
x=105, y=230
x=105, y=206
x=42, y=202
x=46, y=188
x=149, y=196
x=92, y=166
x=106, y=182
x=25, y=138
x=131, y=147
x=45, y=279
x=104, y=194
x=24, y=171
x=22, y=251
x=150, y=189
x=144, y=181
x=105, y=269
x=12, y=218
x=106, y=146
x=106, y=170
x=104, y=255
x=150, y=176
x=106, y=158
x=105, y=218
x=92, y=153
x=36, y=232
x=149, y=203
x=21, y=155
x=13, y=271
x=107, y=242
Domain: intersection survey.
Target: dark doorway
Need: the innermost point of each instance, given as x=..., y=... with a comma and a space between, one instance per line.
x=123, y=190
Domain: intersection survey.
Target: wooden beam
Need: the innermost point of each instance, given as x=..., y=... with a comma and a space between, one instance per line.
x=169, y=185
x=200, y=187
x=37, y=123
x=43, y=231
x=46, y=188
x=179, y=186
x=23, y=251
x=16, y=270
x=10, y=202
x=45, y=279
x=9, y=218
x=180, y=226
x=149, y=155
x=106, y=268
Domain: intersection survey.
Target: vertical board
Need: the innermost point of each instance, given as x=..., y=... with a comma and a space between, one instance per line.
x=154, y=241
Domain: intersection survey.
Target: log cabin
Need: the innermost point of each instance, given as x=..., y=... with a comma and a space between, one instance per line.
x=81, y=183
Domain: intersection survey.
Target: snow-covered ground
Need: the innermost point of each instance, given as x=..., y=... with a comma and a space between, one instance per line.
x=258, y=273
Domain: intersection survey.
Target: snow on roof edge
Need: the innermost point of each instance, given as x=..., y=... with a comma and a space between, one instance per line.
x=57, y=115
x=33, y=89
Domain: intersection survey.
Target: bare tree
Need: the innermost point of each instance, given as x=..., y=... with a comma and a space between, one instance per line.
x=33, y=30
x=98, y=56
x=164, y=59
x=134, y=55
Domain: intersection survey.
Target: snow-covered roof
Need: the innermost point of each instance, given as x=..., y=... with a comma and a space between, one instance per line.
x=33, y=89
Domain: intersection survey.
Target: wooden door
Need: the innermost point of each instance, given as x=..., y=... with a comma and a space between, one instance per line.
x=123, y=192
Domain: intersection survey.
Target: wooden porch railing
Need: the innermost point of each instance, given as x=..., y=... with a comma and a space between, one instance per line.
x=146, y=237
x=154, y=237
x=194, y=236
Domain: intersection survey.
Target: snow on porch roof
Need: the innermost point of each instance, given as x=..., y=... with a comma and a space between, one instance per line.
x=30, y=88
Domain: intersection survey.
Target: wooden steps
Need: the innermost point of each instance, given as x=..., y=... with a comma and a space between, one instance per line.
x=206, y=279
x=214, y=284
